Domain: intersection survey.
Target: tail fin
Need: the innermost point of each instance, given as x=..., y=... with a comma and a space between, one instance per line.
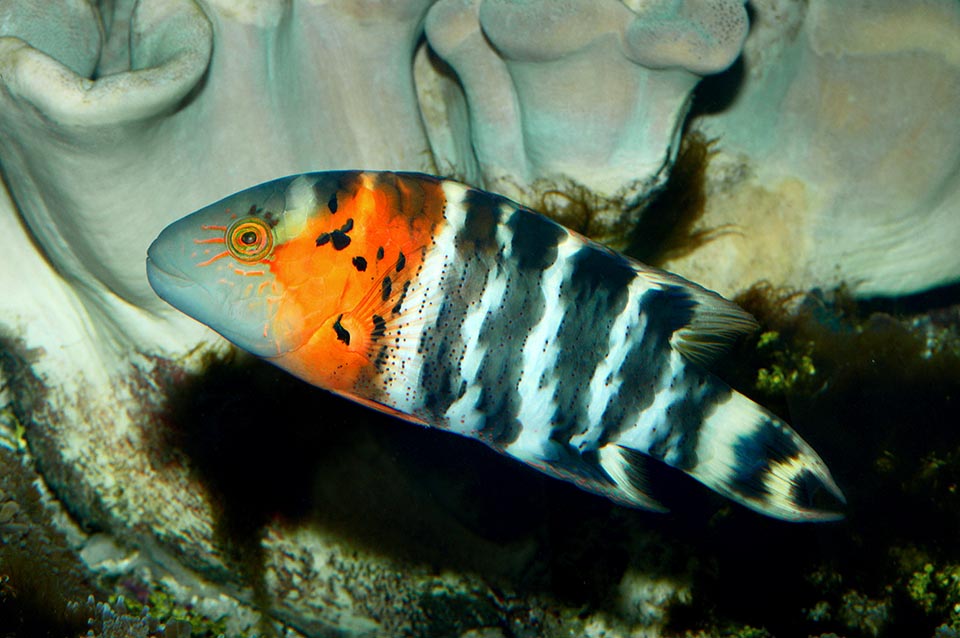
x=750, y=456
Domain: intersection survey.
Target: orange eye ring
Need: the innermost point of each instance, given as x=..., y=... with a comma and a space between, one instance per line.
x=249, y=239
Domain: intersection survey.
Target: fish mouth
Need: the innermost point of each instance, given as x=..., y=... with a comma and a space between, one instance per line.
x=155, y=271
x=162, y=276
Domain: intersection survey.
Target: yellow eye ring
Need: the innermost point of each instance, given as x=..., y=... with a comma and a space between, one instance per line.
x=249, y=239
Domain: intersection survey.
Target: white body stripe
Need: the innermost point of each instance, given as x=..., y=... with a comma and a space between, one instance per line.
x=423, y=294
x=539, y=355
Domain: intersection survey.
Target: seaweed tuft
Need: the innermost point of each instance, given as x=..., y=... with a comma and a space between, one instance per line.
x=668, y=226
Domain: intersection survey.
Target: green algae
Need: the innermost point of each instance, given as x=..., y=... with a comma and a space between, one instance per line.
x=166, y=610
x=791, y=364
x=936, y=590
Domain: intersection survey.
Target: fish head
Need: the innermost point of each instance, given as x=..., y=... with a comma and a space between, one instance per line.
x=219, y=265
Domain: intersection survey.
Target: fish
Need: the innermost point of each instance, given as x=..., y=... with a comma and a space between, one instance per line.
x=459, y=309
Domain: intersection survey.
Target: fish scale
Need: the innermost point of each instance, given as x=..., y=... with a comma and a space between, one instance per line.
x=462, y=310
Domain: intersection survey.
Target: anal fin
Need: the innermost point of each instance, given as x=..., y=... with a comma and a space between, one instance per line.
x=609, y=473
x=628, y=470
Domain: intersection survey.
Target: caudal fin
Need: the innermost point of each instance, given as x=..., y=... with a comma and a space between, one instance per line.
x=750, y=456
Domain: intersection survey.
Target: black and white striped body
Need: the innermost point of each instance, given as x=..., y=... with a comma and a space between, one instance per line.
x=571, y=358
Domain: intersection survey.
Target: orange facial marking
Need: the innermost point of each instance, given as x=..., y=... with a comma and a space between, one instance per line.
x=390, y=215
x=214, y=258
x=249, y=273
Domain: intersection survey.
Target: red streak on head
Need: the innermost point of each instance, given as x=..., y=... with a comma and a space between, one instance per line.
x=214, y=258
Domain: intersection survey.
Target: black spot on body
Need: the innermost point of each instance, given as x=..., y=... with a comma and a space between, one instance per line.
x=403, y=293
x=401, y=262
x=360, y=263
x=379, y=253
x=386, y=288
x=327, y=185
x=340, y=239
x=342, y=333
x=379, y=327
x=381, y=359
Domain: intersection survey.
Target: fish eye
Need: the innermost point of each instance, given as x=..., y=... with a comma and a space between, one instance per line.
x=249, y=239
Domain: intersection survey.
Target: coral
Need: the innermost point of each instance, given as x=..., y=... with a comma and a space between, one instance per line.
x=836, y=156
x=447, y=612
x=580, y=93
x=122, y=618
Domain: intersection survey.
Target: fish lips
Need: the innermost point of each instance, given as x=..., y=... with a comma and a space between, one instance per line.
x=195, y=300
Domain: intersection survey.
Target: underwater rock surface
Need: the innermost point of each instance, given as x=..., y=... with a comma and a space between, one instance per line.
x=573, y=97
x=117, y=117
x=836, y=152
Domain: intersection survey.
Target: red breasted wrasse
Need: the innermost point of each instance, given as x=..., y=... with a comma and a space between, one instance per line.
x=462, y=310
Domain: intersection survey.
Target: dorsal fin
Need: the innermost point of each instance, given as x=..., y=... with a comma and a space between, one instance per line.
x=716, y=322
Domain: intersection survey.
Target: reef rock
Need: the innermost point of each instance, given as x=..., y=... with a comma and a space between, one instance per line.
x=837, y=158
x=579, y=98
